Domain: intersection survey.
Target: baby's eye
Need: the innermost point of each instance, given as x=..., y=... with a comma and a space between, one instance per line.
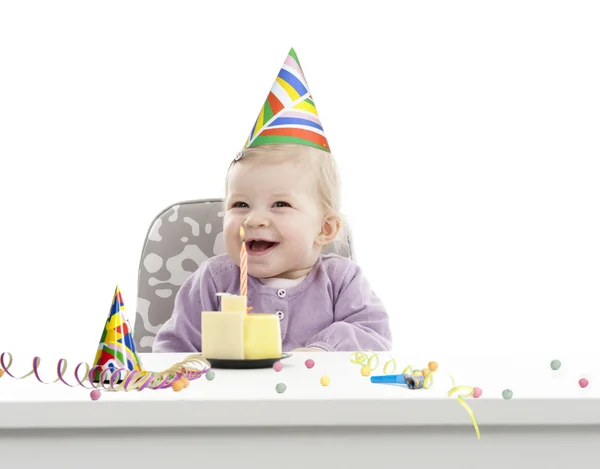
x=282, y=204
x=239, y=205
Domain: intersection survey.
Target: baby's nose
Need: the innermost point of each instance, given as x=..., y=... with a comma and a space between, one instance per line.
x=257, y=219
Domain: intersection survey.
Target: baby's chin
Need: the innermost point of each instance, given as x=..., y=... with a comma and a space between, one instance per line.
x=262, y=272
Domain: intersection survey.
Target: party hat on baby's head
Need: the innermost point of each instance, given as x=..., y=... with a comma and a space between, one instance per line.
x=289, y=114
x=116, y=349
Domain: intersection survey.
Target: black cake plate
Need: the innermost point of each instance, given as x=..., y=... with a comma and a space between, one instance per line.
x=245, y=364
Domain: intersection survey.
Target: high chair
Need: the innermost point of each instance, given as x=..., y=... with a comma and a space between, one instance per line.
x=179, y=239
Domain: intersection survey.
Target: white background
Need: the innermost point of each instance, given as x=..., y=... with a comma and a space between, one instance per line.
x=467, y=134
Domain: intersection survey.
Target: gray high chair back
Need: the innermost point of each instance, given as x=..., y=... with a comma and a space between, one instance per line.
x=179, y=239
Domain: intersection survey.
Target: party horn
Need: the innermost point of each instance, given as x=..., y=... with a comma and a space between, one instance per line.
x=388, y=379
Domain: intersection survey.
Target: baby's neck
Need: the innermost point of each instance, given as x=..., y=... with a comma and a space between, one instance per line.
x=295, y=273
x=278, y=282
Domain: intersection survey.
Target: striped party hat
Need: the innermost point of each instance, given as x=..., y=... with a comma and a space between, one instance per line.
x=116, y=349
x=289, y=114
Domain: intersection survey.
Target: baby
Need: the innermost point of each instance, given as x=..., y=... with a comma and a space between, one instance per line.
x=285, y=193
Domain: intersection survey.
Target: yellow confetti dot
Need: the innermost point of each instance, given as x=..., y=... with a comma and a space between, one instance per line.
x=365, y=371
x=325, y=381
x=432, y=366
x=417, y=373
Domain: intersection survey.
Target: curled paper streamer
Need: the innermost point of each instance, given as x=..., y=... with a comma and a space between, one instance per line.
x=362, y=358
x=119, y=379
x=460, y=398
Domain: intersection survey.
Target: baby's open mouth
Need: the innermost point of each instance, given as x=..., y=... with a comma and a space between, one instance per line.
x=260, y=245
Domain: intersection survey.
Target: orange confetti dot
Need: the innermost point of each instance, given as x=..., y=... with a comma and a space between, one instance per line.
x=425, y=372
x=432, y=366
x=1, y=373
x=177, y=385
x=185, y=381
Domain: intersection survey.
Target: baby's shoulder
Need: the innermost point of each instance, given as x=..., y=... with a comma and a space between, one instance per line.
x=220, y=270
x=220, y=267
x=337, y=267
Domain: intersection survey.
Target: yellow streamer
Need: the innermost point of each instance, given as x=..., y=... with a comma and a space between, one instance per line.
x=372, y=361
x=465, y=405
x=385, y=370
x=360, y=358
x=373, y=367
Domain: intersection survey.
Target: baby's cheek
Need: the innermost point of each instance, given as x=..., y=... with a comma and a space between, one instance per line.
x=228, y=226
x=232, y=249
x=229, y=235
x=298, y=244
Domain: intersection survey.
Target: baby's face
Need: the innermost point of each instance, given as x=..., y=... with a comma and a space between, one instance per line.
x=278, y=207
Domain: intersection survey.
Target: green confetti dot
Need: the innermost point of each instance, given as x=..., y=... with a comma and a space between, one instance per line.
x=507, y=394
x=210, y=375
x=555, y=364
x=280, y=388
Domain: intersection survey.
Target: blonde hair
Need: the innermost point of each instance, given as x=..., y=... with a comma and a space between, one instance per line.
x=325, y=174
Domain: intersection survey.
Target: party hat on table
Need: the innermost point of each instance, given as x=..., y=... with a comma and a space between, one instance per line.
x=116, y=349
x=289, y=114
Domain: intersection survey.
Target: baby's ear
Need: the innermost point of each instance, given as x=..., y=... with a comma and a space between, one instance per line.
x=329, y=230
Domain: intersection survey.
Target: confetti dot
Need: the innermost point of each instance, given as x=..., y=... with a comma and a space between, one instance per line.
x=177, y=385
x=95, y=395
x=507, y=394
x=280, y=388
x=555, y=364
x=210, y=375
x=278, y=366
x=417, y=373
x=583, y=382
x=432, y=366
x=184, y=381
x=365, y=371
x=425, y=372
x=477, y=393
x=1, y=373
x=309, y=363
x=325, y=381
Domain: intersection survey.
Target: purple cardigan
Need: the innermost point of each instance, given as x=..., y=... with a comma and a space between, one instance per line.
x=333, y=308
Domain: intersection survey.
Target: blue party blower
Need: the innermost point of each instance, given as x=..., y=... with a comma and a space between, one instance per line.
x=388, y=379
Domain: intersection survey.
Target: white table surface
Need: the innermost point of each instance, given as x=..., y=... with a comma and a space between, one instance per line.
x=238, y=398
x=239, y=420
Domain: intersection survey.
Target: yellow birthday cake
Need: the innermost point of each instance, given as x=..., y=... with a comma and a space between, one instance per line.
x=236, y=334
